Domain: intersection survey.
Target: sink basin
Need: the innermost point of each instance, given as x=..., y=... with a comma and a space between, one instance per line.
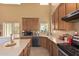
x=9, y=44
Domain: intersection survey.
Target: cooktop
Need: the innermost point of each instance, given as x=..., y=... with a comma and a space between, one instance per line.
x=70, y=50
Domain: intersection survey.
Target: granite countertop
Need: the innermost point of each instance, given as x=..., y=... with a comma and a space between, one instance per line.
x=55, y=39
x=14, y=50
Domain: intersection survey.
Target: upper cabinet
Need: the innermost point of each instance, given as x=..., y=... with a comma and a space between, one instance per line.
x=77, y=5
x=70, y=7
x=30, y=24
x=62, y=10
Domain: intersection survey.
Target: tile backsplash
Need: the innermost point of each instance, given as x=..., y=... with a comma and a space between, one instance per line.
x=58, y=33
x=76, y=26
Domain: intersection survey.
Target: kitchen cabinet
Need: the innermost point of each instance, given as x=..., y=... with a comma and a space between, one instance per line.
x=43, y=42
x=26, y=50
x=55, y=49
x=61, y=10
x=55, y=20
x=69, y=8
x=77, y=5
x=49, y=45
x=30, y=24
x=51, y=48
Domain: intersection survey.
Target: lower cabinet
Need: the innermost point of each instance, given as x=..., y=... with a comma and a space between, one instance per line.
x=49, y=45
x=43, y=42
x=51, y=48
x=26, y=50
x=55, y=49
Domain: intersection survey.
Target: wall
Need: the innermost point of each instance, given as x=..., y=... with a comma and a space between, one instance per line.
x=58, y=33
x=9, y=13
x=14, y=13
x=76, y=26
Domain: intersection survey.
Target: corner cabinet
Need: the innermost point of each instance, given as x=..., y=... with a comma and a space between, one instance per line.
x=62, y=10
x=52, y=48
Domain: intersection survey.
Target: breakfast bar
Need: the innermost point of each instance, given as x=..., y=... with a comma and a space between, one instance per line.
x=19, y=49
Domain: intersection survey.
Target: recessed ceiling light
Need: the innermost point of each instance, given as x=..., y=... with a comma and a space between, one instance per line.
x=44, y=3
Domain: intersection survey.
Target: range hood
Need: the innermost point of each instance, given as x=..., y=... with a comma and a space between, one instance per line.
x=72, y=17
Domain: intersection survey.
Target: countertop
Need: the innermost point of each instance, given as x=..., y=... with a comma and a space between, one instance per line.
x=14, y=50
x=55, y=39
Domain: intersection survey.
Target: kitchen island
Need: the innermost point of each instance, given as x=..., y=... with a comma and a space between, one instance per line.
x=22, y=48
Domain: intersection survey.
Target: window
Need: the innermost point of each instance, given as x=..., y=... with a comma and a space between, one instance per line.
x=10, y=28
x=43, y=27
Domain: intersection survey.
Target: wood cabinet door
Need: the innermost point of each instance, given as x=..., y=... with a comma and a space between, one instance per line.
x=56, y=20
x=61, y=14
x=51, y=48
x=77, y=6
x=69, y=8
x=48, y=44
x=55, y=50
x=30, y=24
x=43, y=42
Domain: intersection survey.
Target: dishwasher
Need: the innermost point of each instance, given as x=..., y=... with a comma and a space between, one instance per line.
x=35, y=40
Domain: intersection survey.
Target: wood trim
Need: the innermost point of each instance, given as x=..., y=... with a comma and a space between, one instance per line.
x=76, y=6
x=58, y=17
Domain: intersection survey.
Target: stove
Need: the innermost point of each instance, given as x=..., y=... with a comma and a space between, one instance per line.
x=70, y=50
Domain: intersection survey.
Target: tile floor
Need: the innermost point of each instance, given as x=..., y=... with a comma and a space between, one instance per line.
x=39, y=51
